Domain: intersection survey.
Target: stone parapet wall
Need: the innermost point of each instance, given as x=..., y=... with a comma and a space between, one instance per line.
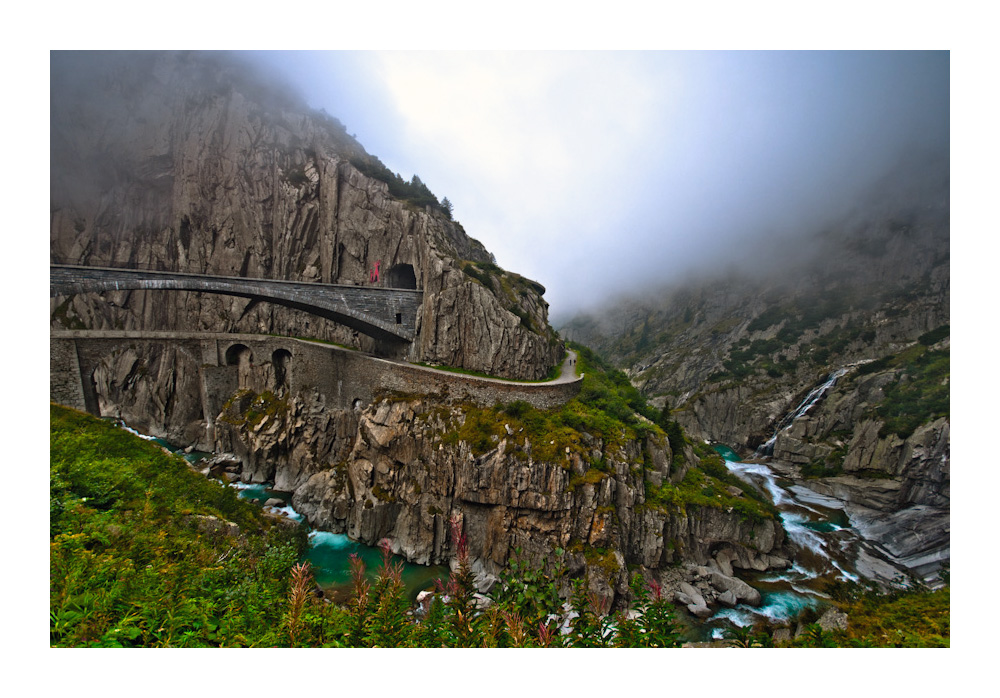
x=482, y=391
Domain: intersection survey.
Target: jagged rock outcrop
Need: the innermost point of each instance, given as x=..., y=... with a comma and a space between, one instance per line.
x=188, y=162
x=407, y=478
x=286, y=439
x=155, y=390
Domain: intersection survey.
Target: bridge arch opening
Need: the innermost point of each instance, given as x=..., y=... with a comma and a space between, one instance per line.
x=239, y=355
x=281, y=360
x=401, y=276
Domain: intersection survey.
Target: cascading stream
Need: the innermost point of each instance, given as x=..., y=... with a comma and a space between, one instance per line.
x=824, y=545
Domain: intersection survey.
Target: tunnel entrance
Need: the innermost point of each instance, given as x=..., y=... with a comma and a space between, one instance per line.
x=401, y=276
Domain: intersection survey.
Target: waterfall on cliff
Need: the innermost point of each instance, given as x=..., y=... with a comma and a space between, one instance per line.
x=767, y=448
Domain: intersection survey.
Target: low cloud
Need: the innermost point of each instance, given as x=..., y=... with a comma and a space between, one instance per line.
x=602, y=173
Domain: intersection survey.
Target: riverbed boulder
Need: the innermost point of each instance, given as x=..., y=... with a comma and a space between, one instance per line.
x=728, y=598
x=743, y=592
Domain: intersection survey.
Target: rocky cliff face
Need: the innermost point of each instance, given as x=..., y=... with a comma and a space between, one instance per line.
x=407, y=475
x=406, y=467
x=731, y=357
x=188, y=162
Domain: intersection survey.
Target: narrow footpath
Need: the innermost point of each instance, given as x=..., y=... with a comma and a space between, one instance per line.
x=568, y=372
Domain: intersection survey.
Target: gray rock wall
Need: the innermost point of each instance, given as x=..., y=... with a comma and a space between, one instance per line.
x=181, y=163
x=404, y=481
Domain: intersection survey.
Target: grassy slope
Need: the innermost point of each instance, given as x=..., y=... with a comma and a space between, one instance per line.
x=130, y=562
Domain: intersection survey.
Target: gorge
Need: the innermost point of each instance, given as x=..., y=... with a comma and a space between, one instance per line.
x=175, y=164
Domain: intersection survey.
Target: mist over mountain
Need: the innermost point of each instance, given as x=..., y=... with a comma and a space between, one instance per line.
x=602, y=173
x=851, y=246
x=859, y=289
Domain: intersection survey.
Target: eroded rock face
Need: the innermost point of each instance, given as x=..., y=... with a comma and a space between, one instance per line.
x=406, y=480
x=189, y=163
x=840, y=431
x=398, y=470
x=156, y=391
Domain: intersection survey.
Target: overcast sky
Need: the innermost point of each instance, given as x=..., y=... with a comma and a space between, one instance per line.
x=594, y=172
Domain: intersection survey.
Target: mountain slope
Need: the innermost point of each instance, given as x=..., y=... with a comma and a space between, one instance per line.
x=732, y=354
x=852, y=339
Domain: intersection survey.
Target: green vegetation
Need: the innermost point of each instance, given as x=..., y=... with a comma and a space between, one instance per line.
x=609, y=390
x=605, y=409
x=708, y=485
x=414, y=192
x=806, y=312
x=145, y=552
x=524, y=610
x=934, y=336
x=770, y=356
x=920, y=394
x=908, y=616
x=829, y=466
x=511, y=289
x=248, y=409
x=481, y=272
x=611, y=409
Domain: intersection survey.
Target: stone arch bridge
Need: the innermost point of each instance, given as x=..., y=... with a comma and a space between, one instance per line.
x=386, y=314
x=206, y=369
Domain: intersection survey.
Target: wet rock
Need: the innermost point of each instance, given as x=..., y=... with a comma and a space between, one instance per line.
x=743, y=591
x=727, y=598
x=701, y=611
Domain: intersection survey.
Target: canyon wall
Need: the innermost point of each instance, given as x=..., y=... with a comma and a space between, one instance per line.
x=188, y=162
